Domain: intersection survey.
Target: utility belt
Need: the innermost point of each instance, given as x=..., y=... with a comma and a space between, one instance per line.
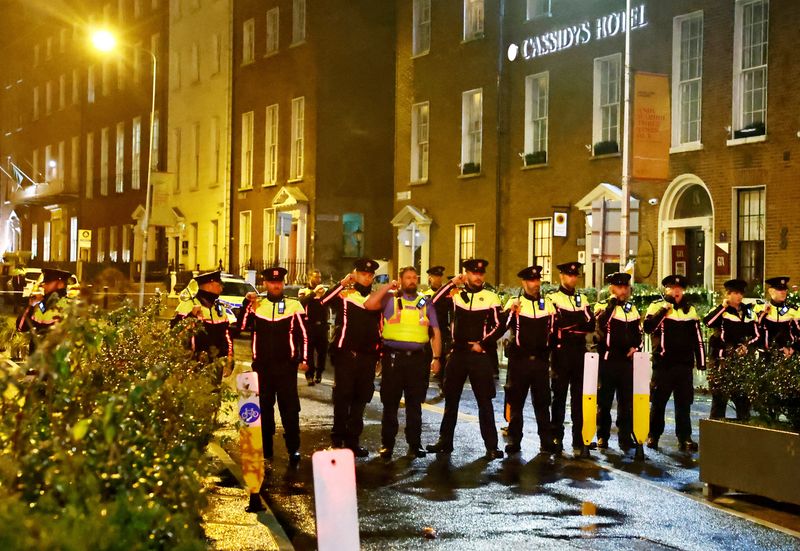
x=464, y=347
x=401, y=352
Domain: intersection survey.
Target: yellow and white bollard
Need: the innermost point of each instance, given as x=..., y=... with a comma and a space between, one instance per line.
x=591, y=363
x=250, y=441
x=642, y=373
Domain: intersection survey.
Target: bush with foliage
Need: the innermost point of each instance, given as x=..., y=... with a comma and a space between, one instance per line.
x=104, y=447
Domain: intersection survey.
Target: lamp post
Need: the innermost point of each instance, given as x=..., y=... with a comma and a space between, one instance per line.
x=105, y=41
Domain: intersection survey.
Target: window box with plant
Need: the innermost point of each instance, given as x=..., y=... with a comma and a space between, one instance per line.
x=606, y=148
x=535, y=158
x=470, y=168
x=751, y=130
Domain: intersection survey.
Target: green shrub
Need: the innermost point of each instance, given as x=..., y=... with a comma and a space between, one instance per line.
x=104, y=449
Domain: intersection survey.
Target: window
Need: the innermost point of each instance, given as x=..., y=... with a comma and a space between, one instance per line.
x=750, y=68
x=537, y=92
x=271, y=146
x=62, y=40
x=126, y=243
x=606, y=104
x=61, y=162
x=176, y=159
x=248, y=41
x=76, y=82
x=245, y=253
x=51, y=166
x=73, y=239
x=113, y=244
x=36, y=103
x=298, y=21
x=750, y=235
x=120, y=158
x=36, y=55
x=352, y=234
x=36, y=173
x=90, y=165
x=34, y=240
x=538, y=8
x=214, y=54
x=195, y=182
x=121, y=73
x=136, y=153
x=90, y=84
x=214, y=242
x=422, y=27
x=154, y=152
x=246, y=181
x=104, y=145
x=215, y=150
x=272, y=30
x=48, y=97
x=195, y=68
x=687, y=77
x=298, y=133
x=420, y=120
x=101, y=244
x=105, y=77
x=46, y=242
x=465, y=243
x=269, y=236
x=175, y=69
x=74, y=162
x=473, y=19
x=48, y=50
x=471, y=131
x=62, y=91
x=540, y=245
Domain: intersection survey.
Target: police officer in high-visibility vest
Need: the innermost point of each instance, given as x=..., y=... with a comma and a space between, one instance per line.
x=355, y=352
x=619, y=337
x=777, y=320
x=574, y=320
x=674, y=329
x=444, y=309
x=44, y=312
x=478, y=322
x=737, y=327
x=530, y=319
x=280, y=346
x=214, y=340
x=409, y=324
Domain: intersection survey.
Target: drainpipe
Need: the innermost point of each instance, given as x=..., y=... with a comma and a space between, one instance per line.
x=499, y=136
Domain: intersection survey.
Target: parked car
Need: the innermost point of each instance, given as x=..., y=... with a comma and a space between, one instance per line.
x=34, y=279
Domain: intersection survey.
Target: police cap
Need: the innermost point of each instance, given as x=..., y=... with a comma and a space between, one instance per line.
x=209, y=277
x=436, y=271
x=475, y=265
x=274, y=274
x=570, y=268
x=530, y=273
x=675, y=280
x=618, y=278
x=51, y=274
x=735, y=285
x=779, y=283
x=365, y=265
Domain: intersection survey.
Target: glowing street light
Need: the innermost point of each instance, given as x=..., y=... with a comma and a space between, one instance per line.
x=104, y=40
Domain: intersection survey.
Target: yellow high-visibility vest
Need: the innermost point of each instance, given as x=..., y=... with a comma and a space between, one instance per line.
x=409, y=323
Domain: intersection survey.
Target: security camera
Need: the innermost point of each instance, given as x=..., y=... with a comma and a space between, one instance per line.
x=652, y=201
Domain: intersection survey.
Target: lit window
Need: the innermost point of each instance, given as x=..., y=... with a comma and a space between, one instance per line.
x=104, y=146
x=606, y=119
x=89, y=165
x=136, y=153
x=271, y=146
x=247, y=151
x=298, y=137
x=750, y=233
x=465, y=244
x=245, y=235
x=473, y=19
x=420, y=121
x=273, y=22
x=422, y=27
x=537, y=89
x=540, y=245
x=471, y=131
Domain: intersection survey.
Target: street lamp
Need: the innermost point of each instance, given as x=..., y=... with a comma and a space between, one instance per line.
x=104, y=40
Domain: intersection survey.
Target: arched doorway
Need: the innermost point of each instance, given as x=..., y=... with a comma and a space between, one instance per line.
x=686, y=231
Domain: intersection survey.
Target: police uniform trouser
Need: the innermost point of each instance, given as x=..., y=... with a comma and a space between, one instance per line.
x=568, y=375
x=528, y=373
x=317, y=349
x=480, y=369
x=278, y=381
x=404, y=373
x=670, y=377
x=615, y=377
x=353, y=385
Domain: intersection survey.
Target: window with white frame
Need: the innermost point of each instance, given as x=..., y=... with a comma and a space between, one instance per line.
x=34, y=240
x=194, y=73
x=126, y=243
x=73, y=239
x=420, y=121
x=271, y=146
x=119, y=171
x=215, y=150
x=273, y=24
x=248, y=41
x=62, y=91
x=537, y=99
x=76, y=82
x=89, y=165
x=606, y=120
x=101, y=244
x=246, y=165
x=61, y=165
x=35, y=103
x=751, y=41
x=214, y=62
x=113, y=251
x=538, y=8
x=104, y=147
x=465, y=243
x=51, y=166
x=154, y=152
x=74, y=162
x=36, y=174
x=422, y=27
x=214, y=242
x=687, y=78
x=245, y=229
x=473, y=19
x=298, y=21
x=46, y=242
x=48, y=97
x=750, y=234
x=136, y=153
x=195, y=181
x=540, y=245
x=90, y=95
x=269, y=236
x=298, y=138
x=471, y=131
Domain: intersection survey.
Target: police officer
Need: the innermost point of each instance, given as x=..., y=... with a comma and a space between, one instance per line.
x=530, y=320
x=574, y=320
x=280, y=346
x=43, y=313
x=355, y=352
x=619, y=337
x=777, y=320
x=444, y=309
x=737, y=331
x=674, y=328
x=317, y=317
x=409, y=324
x=215, y=338
x=478, y=322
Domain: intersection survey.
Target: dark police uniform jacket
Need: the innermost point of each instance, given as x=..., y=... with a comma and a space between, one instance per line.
x=279, y=331
x=357, y=329
x=618, y=329
x=477, y=316
x=215, y=338
x=675, y=333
